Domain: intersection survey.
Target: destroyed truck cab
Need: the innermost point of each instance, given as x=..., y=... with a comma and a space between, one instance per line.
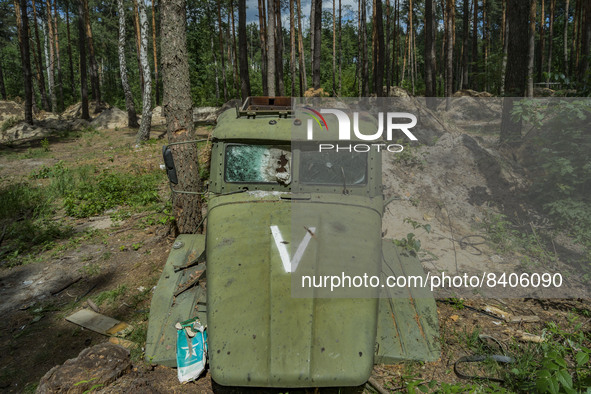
x=277, y=209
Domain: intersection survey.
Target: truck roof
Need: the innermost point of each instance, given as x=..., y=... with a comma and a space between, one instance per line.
x=273, y=119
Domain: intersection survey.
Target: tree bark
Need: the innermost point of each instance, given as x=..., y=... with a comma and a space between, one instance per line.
x=146, y=122
x=317, y=43
x=263, y=38
x=243, y=50
x=154, y=48
x=26, y=60
x=51, y=66
x=70, y=61
x=179, y=114
x=466, y=39
x=271, y=47
x=221, y=42
x=565, y=37
x=60, y=84
x=585, y=42
x=41, y=76
x=550, y=41
x=215, y=68
x=449, y=48
x=365, y=58
x=280, y=84
x=235, y=58
x=302, y=56
x=475, y=47
x=542, y=33
x=94, y=78
x=292, y=49
x=517, y=65
x=136, y=24
x=505, y=53
x=341, y=49
x=378, y=49
x=2, y=87
x=83, y=70
x=531, y=50
x=430, y=87
x=129, y=105
x=334, y=48
x=395, y=43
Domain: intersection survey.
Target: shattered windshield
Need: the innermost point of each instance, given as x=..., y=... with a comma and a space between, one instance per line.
x=333, y=168
x=258, y=164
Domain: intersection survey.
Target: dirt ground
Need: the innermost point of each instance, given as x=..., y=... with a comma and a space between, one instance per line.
x=123, y=257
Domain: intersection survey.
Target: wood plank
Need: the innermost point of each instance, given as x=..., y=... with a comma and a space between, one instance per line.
x=99, y=323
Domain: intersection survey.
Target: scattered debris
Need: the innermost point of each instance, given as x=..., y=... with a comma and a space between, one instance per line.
x=93, y=306
x=99, y=323
x=498, y=312
x=527, y=337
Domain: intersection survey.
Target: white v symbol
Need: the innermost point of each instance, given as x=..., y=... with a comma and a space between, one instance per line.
x=289, y=264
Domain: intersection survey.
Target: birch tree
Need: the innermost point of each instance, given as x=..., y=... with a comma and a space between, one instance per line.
x=146, y=122
x=129, y=105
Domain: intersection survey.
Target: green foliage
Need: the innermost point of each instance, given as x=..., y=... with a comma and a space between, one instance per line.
x=558, y=365
x=45, y=145
x=562, y=172
x=110, y=296
x=410, y=244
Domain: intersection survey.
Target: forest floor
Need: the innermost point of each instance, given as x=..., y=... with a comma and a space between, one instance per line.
x=82, y=249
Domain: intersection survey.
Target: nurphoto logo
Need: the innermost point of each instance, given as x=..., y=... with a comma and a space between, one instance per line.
x=391, y=127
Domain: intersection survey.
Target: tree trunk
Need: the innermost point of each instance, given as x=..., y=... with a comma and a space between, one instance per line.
x=263, y=37
x=136, y=24
x=449, y=48
x=485, y=42
x=466, y=39
x=550, y=41
x=531, y=51
x=60, y=84
x=542, y=33
x=82, y=52
x=242, y=49
x=334, y=48
x=271, y=47
x=280, y=84
x=215, y=68
x=235, y=58
x=154, y=48
x=221, y=42
x=94, y=78
x=26, y=59
x=475, y=47
x=430, y=87
x=70, y=61
x=517, y=65
x=585, y=41
x=365, y=58
x=41, y=76
x=129, y=105
x=302, y=57
x=146, y=122
x=565, y=38
x=378, y=49
x=577, y=35
x=179, y=115
x=292, y=49
x=317, y=43
x=340, y=42
x=2, y=87
x=51, y=66
x=395, y=43
x=505, y=53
